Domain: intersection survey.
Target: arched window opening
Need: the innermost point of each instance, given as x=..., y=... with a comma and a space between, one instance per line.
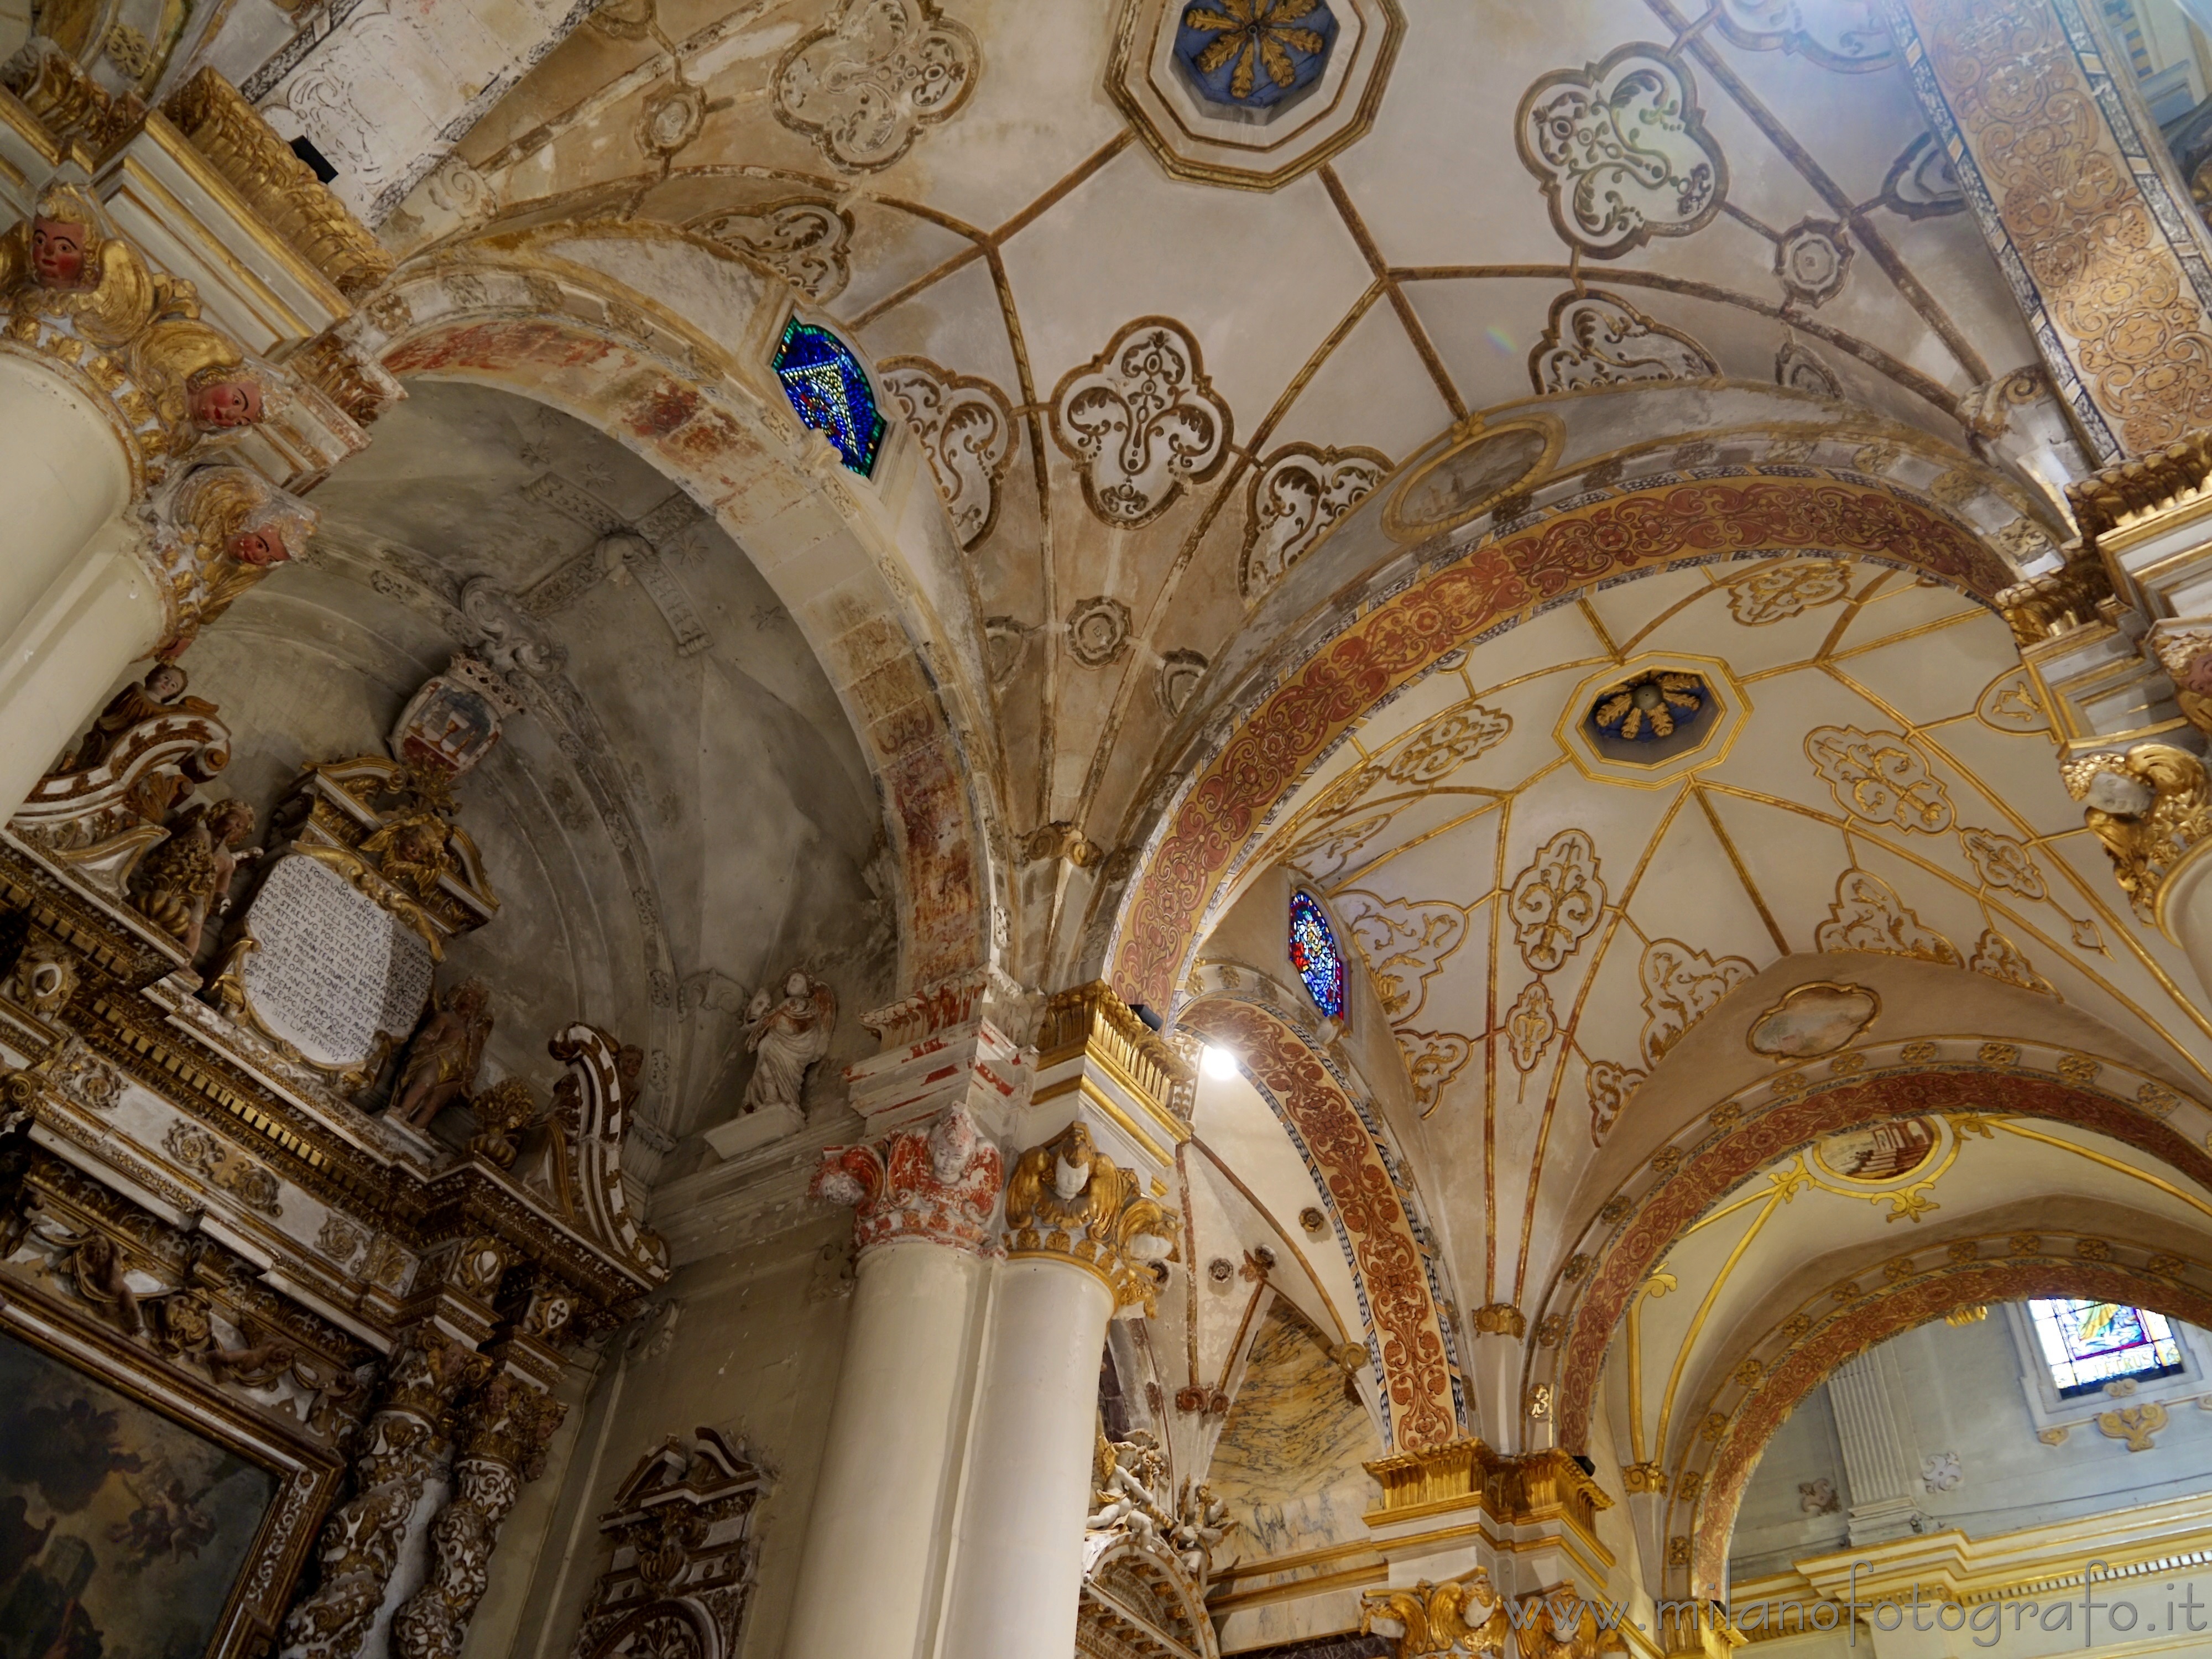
x=829, y=390
x=1314, y=953
x=2088, y=1345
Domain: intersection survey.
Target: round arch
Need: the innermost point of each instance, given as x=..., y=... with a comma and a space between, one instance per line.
x=1377, y=606
x=1707, y=1486
x=1409, y=1340
x=1634, y=1232
x=863, y=567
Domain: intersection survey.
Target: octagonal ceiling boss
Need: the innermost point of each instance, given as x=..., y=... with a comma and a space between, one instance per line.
x=1251, y=93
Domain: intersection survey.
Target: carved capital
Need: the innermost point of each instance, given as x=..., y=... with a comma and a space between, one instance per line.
x=1642, y=1478
x=2150, y=807
x=1460, y=1616
x=217, y=530
x=2132, y=490
x=941, y=1186
x=83, y=298
x=1068, y=1198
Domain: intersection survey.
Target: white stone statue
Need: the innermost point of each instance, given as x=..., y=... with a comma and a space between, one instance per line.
x=786, y=1037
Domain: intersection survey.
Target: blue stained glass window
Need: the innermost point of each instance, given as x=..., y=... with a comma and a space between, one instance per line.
x=829, y=389
x=2089, y=1344
x=1314, y=955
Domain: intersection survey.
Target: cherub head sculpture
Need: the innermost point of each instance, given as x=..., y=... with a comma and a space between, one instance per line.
x=224, y=396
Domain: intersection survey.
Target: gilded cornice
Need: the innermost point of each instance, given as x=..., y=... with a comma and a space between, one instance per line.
x=2123, y=494
x=277, y=184
x=1526, y=1489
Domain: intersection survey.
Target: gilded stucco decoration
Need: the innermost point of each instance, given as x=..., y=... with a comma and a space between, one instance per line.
x=2001, y=959
x=1848, y=36
x=1433, y=1059
x=1142, y=421
x=1460, y=1616
x=1176, y=79
x=865, y=84
x=2082, y=220
x=1066, y=1198
x=1775, y=593
x=1681, y=986
x=1557, y=901
x=1530, y=1025
x=2150, y=807
x=1597, y=338
x=1405, y=942
x=1880, y=777
x=1399, y=640
x=1296, y=495
x=1621, y=151
x=1609, y=1085
x=967, y=430
x=803, y=239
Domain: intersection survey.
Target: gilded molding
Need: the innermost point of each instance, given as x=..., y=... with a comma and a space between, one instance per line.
x=2132, y=490
x=223, y=127
x=68, y=102
x=1069, y=1200
x=2083, y=224
x=1090, y=1020
x=1515, y=1490
x=1463, y=1615
x=2150, y=808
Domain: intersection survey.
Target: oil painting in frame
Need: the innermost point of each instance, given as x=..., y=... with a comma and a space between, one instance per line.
x=144, y=1514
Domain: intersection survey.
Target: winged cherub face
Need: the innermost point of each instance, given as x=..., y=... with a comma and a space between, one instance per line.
x=260, y=548
x=58, y=252
x=224, y=404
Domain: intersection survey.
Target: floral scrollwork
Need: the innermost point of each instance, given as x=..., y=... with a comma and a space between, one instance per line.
x=1622, y=152
x=1142, y=421
x=1557, y=901
x=1596, y=339
x=1879, y=776
x=865, y=84
x=967, y=432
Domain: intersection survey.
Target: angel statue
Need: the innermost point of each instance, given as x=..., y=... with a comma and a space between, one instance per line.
x=785, y=1038
x=65, y=262
x=441, y=1061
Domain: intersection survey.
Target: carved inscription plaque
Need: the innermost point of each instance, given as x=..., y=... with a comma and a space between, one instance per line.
x=333, y=967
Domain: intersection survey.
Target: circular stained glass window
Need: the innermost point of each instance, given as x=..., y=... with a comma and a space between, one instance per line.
x=1314, y=953
x=1254, y=54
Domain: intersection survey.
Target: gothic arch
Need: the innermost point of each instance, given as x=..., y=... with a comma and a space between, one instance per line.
x=866, y=568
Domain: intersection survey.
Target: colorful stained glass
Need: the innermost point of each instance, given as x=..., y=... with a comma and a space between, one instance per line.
x=829, y=389
x=1314, y=955
x=2089, y=1344
x=1254, y=54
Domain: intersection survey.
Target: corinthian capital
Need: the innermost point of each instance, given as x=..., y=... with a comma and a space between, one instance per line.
x=941, y=1187
x=1065, y=1198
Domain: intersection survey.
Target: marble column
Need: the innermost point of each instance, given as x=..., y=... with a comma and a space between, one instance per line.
x=925, y=1204
x=1081, y=1242
x=1875, y=1438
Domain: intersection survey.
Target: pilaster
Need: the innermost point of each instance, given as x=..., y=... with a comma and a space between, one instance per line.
x=1878, y=1465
